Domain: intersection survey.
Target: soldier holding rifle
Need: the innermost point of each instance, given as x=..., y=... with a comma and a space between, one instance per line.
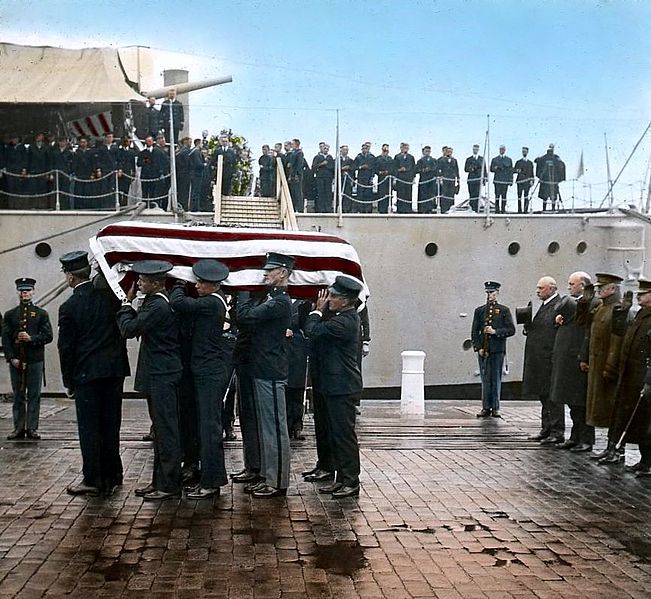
x=491, y=325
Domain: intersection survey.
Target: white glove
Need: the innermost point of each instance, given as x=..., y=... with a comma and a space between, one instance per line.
x=366, y=348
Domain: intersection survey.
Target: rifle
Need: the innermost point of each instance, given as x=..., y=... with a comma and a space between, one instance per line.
x=488, y=321
x=22, y=351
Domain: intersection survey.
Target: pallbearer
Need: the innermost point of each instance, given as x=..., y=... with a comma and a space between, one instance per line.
x=491, y=325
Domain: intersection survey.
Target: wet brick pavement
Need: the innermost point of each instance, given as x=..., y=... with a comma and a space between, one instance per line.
x=450, y=507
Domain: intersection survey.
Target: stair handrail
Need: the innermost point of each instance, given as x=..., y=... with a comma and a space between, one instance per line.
x=217, y=190
x=284, y=197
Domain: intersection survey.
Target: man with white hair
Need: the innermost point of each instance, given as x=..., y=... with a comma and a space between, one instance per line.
x=538, y=351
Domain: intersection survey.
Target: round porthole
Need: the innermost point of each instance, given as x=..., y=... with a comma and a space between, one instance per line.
x=581, y=247
x=43, y=250
x=553, y=247
x=514, y=248
x=431, y=249
x=467, y=344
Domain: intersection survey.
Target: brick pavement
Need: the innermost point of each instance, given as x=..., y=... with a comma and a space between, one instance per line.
x=451, y=507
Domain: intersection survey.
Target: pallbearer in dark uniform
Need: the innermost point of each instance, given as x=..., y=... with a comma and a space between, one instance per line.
x=384, y=166
x=502, y=166
x=26, y=330
x=340, y=381
x=404, y=165
x=269, y=367
x=524, y=180
x=94, y=362
x=347, y=165
x=267, y=173
x=298, y=347
x=158, y=373
x=210, y=368
x=365, y=167
x=491, y=325
x=323, y=168
x=427, y=168
x=474, y=167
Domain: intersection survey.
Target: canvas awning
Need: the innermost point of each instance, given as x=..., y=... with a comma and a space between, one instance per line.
x=47, y=75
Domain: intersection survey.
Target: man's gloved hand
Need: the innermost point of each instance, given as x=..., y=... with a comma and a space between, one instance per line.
x=366, y=348
x=627, y=300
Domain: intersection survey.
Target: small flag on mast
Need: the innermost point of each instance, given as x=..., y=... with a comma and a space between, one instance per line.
x=581, y=170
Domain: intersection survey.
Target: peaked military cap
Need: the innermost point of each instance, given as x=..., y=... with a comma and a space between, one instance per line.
x=492, y=286
x=606, y=279
x=643, y=286
x=25, y=284
x=152, y=267
x=74, y=261
x=210, y=270
x=345, y=286
x=275, y=260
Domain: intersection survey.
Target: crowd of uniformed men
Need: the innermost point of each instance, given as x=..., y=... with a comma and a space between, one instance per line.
x=585, y=350
x=194, y=343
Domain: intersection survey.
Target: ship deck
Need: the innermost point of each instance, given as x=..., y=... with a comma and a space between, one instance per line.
x=450, y=507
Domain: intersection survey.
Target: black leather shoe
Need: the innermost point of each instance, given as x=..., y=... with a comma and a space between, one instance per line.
x=191, y=487
x=581, y=447
x=634, y=467
x=643, y=472
x=552, y=440
x=201, y=493
x=247, y=477
x=569, y=444
x=539, y=437
x=308, y=472
x=346, y=492
x=238, y=473
x=496, y=414
x=602, y=454
x=254, y=487
x=269, y=492
x=615, y=457
x=33, y=435
x=142, y=491
x=484, y=413
x=82, y=489
x=230, y=436
x=319, y=475
x=16, y=435
x=159, y=495
x=330, y=488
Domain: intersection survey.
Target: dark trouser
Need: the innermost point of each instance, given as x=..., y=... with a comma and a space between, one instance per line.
x=188, y=430
x=183, y=189
x=490, y=371
x=323, y=194
x=501, y=190
x=343, y=439
x=523, y=197
x=227, y=184
x=163, y=190
x=38, y=186
x=384, y=195
x=294, y=403
x=209, y=392
x=552, y=416
x=268, y=187
x=99, y=416
x=274, y=437
x=426, y=196
x=346, y=196
x=403, y=191
x=228, y=407
x=324, y=455
x=124, y=184
x=474, y=188
x=149, y=188
x=364, y=204
x=248, y=419
x=196, y=186
x=296, y=191
x=581, y=432
x=549, y=191
x=163, y=401
x=448, y=189
x=106, y=188
x=84, y=189
x=26, y=417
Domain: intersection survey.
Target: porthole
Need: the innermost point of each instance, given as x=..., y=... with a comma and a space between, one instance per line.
x=467, y=344
x=43, y=250
x=431, y=249
x=514, y=248
x=553, y=247
x=581, y=247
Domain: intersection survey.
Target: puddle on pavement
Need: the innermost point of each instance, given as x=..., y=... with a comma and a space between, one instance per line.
x=344, y=557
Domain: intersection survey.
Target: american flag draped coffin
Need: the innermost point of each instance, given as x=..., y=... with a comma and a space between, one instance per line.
x=319, y=257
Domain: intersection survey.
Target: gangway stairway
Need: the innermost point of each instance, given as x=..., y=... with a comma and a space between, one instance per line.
x=255, y=212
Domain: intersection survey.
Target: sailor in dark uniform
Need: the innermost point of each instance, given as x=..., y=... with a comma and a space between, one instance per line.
x=197, y=171
x=267, y=165
x=524, y=180
x=269, y=367
x=404, y=166
x=384, y=167
x=94, y=362
x=174, y=107
x=210, y=369
x=347, y=165
x=38, y=165
x=491, y=325
x=150, y=162
x=61, y=163
x=295, y=164
x=502, y=166
x=474, y=167
x=183, y=173
x=26, y=330
x=298, y=347
x=158, y=373
x=106, y=161
x=323, y=167
x=427, y=168
x=229, y=162
x=365, y=167
x=126, y=166
x=165, y=182
x=336, y=340
x=83, y=171
x=152, y=118
x=15, y=164
x=448, y=171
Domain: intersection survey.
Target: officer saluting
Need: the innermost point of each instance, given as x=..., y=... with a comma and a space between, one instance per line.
x=210, y=369
x=158, y=373
x=26, y=329
x=491, y=325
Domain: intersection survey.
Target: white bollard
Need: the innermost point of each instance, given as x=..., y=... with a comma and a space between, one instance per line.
x=412, y=389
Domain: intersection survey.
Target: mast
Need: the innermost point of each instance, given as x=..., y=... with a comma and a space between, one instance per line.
x=483, y=182
x=338, y=199
x=609, y=195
